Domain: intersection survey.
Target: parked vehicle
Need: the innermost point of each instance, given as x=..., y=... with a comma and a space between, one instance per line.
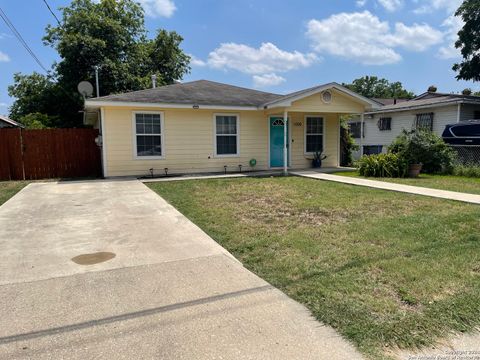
x=462, y=133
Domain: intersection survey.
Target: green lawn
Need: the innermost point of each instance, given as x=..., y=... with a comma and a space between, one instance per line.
x=442, y=182
x=385, y=269
x=10, y=188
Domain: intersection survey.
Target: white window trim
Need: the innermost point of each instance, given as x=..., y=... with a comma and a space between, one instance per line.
x=134, y=135
x=215, y=136
x=305, y=133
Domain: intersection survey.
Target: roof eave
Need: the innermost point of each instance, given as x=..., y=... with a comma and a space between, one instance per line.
x=287, y=100
x=426, y=106
x=103, y=103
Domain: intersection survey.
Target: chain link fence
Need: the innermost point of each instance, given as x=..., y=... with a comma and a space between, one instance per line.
x=467, y=154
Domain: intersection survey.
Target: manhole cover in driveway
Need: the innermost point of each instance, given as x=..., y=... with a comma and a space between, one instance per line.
x=95, y=258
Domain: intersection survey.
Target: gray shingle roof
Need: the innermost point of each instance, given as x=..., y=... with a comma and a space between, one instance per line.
x=422, y=102
x=10, y=122
x=201, y=92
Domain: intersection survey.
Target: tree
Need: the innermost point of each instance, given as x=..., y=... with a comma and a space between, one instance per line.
x=469, y=41
x=109, y=34
x=36, y=121
x=35, y=93
x=374, y=87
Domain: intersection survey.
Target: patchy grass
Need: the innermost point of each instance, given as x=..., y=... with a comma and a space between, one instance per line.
x=10, y=188
x=385, y=269
x=443, y=182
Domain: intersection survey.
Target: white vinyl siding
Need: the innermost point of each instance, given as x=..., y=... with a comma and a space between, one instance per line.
x=405, y=120
x=467, y=111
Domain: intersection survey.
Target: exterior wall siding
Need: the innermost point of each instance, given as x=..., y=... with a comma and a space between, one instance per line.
x=331, y=139
x=406, y=120
x=189, y=142
x=468, y=112
x=340, y=104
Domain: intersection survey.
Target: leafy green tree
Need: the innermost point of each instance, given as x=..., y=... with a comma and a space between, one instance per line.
x=110, y=35
x=36, y=121
x=374, y=87
x=469, y=41
x=35, y=93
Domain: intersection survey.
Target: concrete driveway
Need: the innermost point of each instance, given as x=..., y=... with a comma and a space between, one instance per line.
x=169, y=292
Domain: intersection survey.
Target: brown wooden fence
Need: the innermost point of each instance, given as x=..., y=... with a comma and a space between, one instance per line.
x=49, y=153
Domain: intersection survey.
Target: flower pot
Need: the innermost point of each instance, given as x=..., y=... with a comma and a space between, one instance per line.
x=414, y=170
x=316, y=163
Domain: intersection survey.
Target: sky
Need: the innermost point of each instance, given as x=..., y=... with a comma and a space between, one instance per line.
x=274, y=45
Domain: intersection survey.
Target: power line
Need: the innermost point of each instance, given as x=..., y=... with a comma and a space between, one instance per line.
x=51, y=11
x=21, y=39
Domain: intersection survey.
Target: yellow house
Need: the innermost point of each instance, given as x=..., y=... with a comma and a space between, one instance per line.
x=207, y=127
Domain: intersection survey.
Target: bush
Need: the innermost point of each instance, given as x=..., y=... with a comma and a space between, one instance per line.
x=426, y=148
x=383, y=165
x=467, y=170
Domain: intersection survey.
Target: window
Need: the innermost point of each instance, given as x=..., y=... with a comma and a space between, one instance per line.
x=372, y=149
x=226, y=135
x=476, y=115
x=148, y=135
x=424, y=121
x=384, y=123
x=355, y=129
x=313, y=134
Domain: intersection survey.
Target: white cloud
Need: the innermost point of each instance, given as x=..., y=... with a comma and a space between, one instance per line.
x=391, y=5
x=361, y=3
x=4, y=57
x=267, y=59
x=415, y=37
x=194, y=61
x=364, y=38
x=428, y=6
x=267, y=80
x=453, y=25
x=158, y=8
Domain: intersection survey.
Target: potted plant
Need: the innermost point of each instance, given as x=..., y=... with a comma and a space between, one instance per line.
x=318, y=157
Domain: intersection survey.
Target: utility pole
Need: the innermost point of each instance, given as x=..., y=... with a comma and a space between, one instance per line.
x=96, y=81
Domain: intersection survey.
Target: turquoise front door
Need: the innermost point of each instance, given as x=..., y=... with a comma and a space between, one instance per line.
x=277, y=141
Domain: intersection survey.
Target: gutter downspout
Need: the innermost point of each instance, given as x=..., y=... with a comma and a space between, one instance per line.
x=459, y=109
x=285, y=145
x=104, y=144
x=362, y=120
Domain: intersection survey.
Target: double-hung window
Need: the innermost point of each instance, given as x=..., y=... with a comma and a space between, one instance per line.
x=148, y=127
x=424, y=121
x=313, y=134
x=226, y=135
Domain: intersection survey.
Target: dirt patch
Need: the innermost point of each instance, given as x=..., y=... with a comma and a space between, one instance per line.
x=274, y=209
x=91, y=259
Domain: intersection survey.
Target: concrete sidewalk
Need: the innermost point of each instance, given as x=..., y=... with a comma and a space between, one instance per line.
x=171, y=292
x=442, y=194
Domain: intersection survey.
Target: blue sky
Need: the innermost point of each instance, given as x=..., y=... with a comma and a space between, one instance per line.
x=278, y=46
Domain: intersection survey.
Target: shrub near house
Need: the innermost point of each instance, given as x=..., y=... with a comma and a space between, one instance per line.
x=409, y=148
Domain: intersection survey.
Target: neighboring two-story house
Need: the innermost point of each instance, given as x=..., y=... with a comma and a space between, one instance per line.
x=430, y=110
